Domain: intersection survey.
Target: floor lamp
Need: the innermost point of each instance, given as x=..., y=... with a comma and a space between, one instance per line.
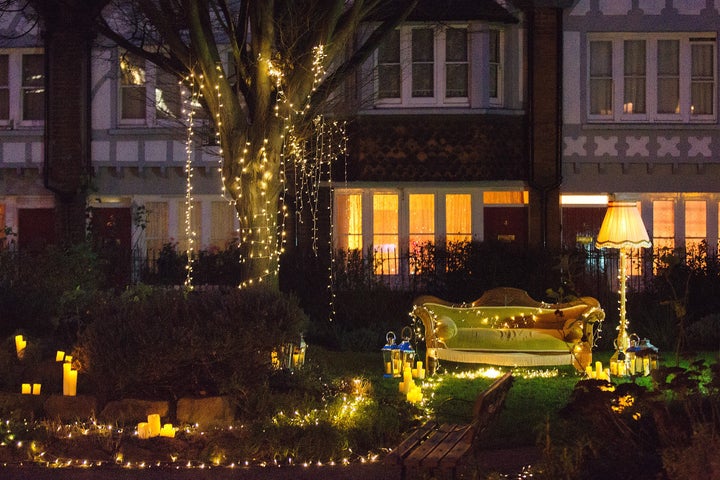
x=622, y=228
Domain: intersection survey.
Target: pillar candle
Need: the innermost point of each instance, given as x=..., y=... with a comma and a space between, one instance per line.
x=143, y=430
x=20, y=345
x=25, y=389
x=153, y=424
x=69, y=381
x=167, y=430
x=598, y=370
x=614, y=367
x=621, y=369
x=59, y=356
x=36, y=389
x=589, y=371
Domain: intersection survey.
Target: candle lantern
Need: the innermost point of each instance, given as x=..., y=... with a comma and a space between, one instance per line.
x=391, y=356
x=298, y=357
x=407, y=352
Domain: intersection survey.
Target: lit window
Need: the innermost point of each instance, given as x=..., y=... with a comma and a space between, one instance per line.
x=505, y=198
x=4, y=89
x=222, y=226
x=348, y=223
x=156, y=232
x=422, y=229
x=695, y=224
x=190, y=236
x=458, y=218
x=663, y=226
x=132, y=87
x=385, y=233
x=657, y=77
x=33, y=87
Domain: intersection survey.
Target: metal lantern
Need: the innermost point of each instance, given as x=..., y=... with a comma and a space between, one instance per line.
x=298, y=357
x=407, y=353
x=391, y=356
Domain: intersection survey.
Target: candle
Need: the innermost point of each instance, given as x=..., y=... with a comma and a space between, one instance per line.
x=36, y=389
x=59, y=356
x=598, y=370
x=153, y=424
x=388, y=368
x=414, y=395
x=143, y=430
x=68, y=358
x=20, y=344
x=167, y=430
x=589, y=371
x=25, y=389
x=614, y=367
x=646, y=365
x=69, y=381
x=621, y=369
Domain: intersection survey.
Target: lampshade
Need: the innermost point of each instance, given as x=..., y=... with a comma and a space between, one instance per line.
x=622, y=227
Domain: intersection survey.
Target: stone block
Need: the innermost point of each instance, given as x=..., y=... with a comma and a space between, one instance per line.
x=130, y=410
x=70, y=409
x=206, y=412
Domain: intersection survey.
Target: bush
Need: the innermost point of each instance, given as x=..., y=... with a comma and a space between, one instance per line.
x=160, y=343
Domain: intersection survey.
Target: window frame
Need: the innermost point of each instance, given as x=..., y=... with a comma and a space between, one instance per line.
x=15, y=88
x=153, y=116
x=651, y=115
x=439, y=97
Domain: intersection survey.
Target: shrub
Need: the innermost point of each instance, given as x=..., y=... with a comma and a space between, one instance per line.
x=161, y=343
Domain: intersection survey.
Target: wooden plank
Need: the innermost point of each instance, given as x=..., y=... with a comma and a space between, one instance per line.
x=459, y=438
x=413, y=440
x=490, y=402
x=435, y=438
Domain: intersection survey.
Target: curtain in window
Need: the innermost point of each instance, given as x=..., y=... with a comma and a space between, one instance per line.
x=156, y=232
x=601, y=78
x=663, y=225
x=33, y=87
x=456, y=67
x=458, y=214
x=4, y=89
x=168, y=100
x=422, y=219
x=348, y=226
x=423, y=58
x=702, y=79
x=389, y=66
x=668, y=71
x=385, y=233
x=195, y=232
x=634, y=84
x=222, y=229
x=695, y=224
x=132, y=86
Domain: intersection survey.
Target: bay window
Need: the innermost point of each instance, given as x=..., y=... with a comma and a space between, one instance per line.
x=424, y=65
x=651, y=77
x=22, y=87
x=33, y=87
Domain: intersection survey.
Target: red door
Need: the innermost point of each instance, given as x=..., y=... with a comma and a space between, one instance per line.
x=506, y=224
x=36, y=229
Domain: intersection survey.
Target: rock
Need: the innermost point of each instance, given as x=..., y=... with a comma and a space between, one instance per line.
x=127, y=411
x=206, y=412
x=70, y=409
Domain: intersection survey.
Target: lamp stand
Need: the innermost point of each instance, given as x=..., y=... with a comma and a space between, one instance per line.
x=622, y=342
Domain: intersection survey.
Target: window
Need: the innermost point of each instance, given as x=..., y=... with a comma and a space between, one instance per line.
x=652, y=77
x=423, y=65
x=458, y=218
x=141, y=83
x=156, y=233
x=22, y=88
x=4, y=89
x=33, y=87
x=222, y=229
x=385, y=233
x=695, y=225
x=132, y=87
x=663, y=226
x=421, y=210
x=348, y=223
x=190, y=236
x=495, y=66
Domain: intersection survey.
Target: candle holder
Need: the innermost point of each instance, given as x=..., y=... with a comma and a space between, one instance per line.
x=391, y=356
